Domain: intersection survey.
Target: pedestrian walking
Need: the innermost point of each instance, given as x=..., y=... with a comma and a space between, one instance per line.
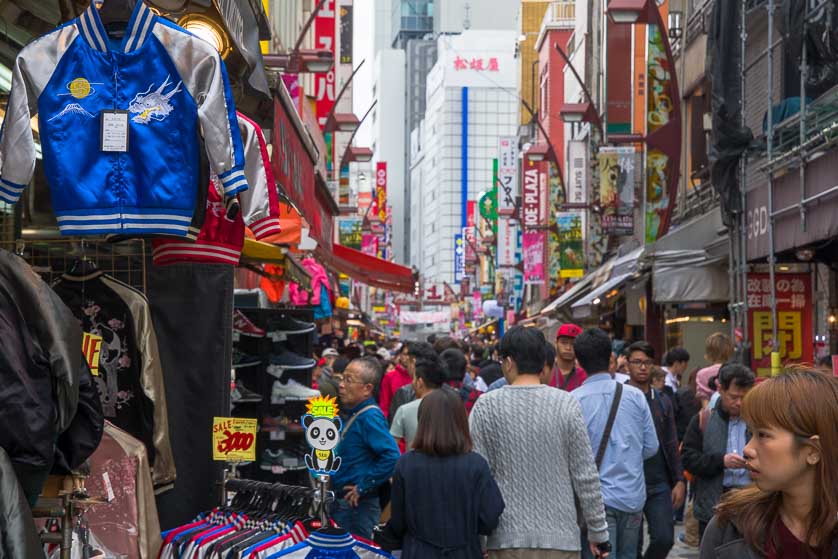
x=665, y=485
x=534, y=438
x=715, y=441
x=717, y=350
x=569, y=376
x=429, y=376
x=675, y=363
x=619, y=422
x=792, y=510
x=393, y=380
x=444, y=496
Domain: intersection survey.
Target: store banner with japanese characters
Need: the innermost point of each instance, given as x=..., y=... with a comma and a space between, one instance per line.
x=507, y=242
x=577, y=172
x=794, y=320
x=507, y=174
x=459, y=259
x=325, y=27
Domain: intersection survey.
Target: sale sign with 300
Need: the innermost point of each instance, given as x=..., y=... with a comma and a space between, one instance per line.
x=234, y=439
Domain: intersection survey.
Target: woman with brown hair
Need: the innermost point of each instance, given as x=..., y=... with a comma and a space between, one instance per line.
x=792, y=510
x=444, y=496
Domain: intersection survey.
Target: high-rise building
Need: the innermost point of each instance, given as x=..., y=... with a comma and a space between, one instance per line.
x=410, y=19
x=471, y=101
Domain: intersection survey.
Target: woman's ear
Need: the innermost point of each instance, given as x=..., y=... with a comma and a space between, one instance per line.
x=813, y=451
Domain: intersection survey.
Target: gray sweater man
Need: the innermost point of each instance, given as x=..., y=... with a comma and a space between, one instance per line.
x=535, y=440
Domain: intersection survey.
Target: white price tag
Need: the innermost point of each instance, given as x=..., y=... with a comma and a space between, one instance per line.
x=114, y=131
x=277, y=435
x=108, y=487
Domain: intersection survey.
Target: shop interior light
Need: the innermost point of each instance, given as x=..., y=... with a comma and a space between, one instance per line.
x=597, y=301
x=832, y=319
x=784, y=268
x=208, y=30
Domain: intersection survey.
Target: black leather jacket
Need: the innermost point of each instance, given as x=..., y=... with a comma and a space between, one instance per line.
x=18, y=535
x=723, y=541
x=40, y=360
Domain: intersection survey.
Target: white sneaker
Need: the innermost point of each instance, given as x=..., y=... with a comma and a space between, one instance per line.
x=291, y=390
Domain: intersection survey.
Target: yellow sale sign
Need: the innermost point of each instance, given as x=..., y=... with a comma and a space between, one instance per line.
x=234, y=439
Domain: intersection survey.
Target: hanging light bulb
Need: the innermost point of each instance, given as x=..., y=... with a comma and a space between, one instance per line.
x=208, y=30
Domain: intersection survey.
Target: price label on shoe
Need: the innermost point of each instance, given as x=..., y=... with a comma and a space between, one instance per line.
x=277, y=435
x=234, y=439
x=278, y=336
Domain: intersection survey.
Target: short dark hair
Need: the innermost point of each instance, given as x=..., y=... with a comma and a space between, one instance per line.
x=456, y=361
x=549, y=354
x=443, y=425
x=431, y=338
x=735, y=373
x=643, y=346
x=445, y=342
x=433, y=371
x=339, y=365
x=525, y=346
x=490, y=372
x=372, y=370
x=593, y=350
x=675, y=355
x=422, y=350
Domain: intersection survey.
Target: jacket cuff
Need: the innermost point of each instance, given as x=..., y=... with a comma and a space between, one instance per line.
x=10, y=191
x=233, y=181
x=265, y=227
x=599, y=536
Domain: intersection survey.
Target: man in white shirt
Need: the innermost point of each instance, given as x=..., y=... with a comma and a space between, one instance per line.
x=430, y=375
x=675, y=362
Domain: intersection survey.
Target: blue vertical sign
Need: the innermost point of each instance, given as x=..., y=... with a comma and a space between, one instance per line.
x=459, y=258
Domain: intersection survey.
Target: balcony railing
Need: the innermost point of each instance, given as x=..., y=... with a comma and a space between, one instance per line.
x=560, y=14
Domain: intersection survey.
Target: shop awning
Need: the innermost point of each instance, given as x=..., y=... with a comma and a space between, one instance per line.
x=258, y=252
x=583, y=307
x=689, y=276
x=578, y=289
x=367, y=269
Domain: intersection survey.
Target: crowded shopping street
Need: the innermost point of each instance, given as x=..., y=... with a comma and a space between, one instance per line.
x=418, y=279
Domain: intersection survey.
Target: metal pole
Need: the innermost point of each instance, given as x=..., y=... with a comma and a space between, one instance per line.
x=742, y=270
x=775, y=346
x=804, y=70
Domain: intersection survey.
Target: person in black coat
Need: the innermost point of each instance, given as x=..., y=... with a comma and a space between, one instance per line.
x=444, y=496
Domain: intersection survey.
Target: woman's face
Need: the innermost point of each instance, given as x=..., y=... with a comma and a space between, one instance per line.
x=777, y=460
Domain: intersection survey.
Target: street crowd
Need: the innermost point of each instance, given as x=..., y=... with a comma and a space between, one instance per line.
x=527, y=449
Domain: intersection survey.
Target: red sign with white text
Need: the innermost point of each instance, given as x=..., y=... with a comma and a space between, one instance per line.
x=325, y=25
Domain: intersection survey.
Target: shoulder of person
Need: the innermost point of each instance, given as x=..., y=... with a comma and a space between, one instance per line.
x=722, y=534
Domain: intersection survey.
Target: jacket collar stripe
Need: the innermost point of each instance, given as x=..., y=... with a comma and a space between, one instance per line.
x=94, y=33
x=87, y=26
x=140, y=21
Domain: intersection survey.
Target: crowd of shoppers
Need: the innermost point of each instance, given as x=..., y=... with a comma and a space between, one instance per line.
x=560, y=450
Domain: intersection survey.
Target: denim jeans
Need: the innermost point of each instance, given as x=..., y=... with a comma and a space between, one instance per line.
x=359, y=520
x=623, y=533
x=660, y=521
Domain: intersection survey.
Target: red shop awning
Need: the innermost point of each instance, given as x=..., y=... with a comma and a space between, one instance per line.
x=367, y=269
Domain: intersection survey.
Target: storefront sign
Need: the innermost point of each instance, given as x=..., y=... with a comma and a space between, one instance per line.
x=532, y=207
x=507, y=174
x=507, y=241
x=794, y=320
x=91, y=348
x=379, y=203
x=477, y=63
x=324, y=38
x=470, y=233
x=533, y=248
x=349, y=232
x=234, y=439
x=616, y=193
x=572, y=247
x=369, y=244
x=577, y=172
x=343, y=187
x=459, y=258
x=346, y=34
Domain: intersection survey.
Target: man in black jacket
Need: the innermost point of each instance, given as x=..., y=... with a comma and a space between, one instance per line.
x=664, y=476
x=715, y=441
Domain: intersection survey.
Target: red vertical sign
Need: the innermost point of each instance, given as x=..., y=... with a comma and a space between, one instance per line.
x=381, y=190
x=794, y=319
x=324, y=38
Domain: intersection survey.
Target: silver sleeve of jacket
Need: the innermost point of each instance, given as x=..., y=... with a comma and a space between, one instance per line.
x=32, y=70
x=255, y=201
x=205, y=76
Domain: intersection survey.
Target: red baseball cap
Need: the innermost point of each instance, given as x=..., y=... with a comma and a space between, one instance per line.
x=568, y=330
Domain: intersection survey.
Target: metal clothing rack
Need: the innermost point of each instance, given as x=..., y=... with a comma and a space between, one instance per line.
x=68, y=510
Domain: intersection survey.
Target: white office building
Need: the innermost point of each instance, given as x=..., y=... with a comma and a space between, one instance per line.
x=471, y=101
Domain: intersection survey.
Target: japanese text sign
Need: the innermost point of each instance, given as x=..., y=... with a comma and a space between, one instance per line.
x=234, y=439
x=477, y=63
x=794, y=319
x=324, y=38
x=507, y=174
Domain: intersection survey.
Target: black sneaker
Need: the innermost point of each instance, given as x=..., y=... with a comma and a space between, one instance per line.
x=289, y=360
x=242, y=395
x=287, y=325
x=241, y=360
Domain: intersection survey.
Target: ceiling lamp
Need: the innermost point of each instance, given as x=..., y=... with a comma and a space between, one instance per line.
x=209, y=30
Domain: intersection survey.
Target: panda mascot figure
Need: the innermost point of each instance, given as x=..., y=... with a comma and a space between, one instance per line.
x=323, y=436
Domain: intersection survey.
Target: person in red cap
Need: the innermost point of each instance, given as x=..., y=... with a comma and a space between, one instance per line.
x=569, y=375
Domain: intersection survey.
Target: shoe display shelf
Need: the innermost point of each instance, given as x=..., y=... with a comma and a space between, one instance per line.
x=283, y=355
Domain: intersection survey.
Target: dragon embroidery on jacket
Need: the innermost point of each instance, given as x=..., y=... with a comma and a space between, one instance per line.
x=113, y=358
x=156, y=105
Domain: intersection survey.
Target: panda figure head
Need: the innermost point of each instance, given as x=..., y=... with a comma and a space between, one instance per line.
x=322, y=433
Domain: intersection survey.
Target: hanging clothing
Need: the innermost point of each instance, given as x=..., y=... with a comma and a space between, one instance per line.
x=220, y=239
x=327, y=545
x=170, y=86
x=40, y=360
x=130, y=379
x=18, y=535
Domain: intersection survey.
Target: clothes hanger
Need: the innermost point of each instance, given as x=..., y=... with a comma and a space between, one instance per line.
x=82, y=266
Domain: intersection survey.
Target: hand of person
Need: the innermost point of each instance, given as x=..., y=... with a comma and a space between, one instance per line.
x=352, y=496
x=596, y=552
x=733, y=461
x=679, y=493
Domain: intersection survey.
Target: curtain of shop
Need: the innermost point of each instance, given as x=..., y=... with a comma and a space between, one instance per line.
x=192, y=308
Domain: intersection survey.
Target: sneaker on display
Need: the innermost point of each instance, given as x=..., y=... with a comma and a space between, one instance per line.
x=281, y=423
x=242, y=395
x=279, y=459
x=242, y=360
x=291, y=390
x=287, y=325
x=244, y=327
x=290, y=360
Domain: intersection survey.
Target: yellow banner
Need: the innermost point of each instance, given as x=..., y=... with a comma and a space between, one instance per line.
x=234, y=439
x=91, y=347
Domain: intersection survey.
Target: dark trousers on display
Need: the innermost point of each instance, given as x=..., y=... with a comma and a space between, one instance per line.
x=660, y=521
x=192, y=309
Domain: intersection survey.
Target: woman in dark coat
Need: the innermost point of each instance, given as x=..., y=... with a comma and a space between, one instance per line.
x=444, y=496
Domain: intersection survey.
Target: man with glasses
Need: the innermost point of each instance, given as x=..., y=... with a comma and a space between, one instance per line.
x=367, y=451
x=631, y=441
x=664, y=476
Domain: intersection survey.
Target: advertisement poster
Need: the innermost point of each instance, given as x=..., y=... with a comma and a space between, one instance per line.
x=349, y=232
x=507, y=174
x=380, y=203
x=794, y=320
x=324, y=38
x=346, y=34
x=616, y=189
x=507, y=241
x=553, y=263
x=233, y=439
x=572, y=246
x=577, y=172
x=459, y=259
x=470, y=233
x=369, y=244
x=533, y=248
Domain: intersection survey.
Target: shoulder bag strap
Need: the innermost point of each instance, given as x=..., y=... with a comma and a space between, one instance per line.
x=354, y=417
x=612, y=415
